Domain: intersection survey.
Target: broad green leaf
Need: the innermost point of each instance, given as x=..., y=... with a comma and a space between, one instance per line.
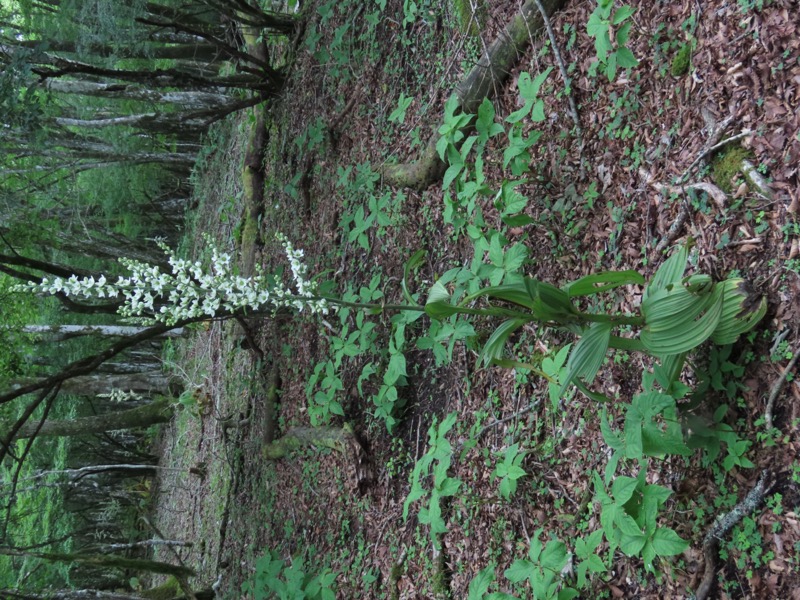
x=621, y=14
x=537, y=112
x=683, y=335
x=632, y=544
x=567, y=593
x=588, y=354
x=452, y=172
x=554, y=556
x=438, y=305
x=625, y=58
x=518, y=220
x=610, y=437
x=670, y=272
x=480, y=583
x=449, y=487
x=596, y=26
x=623, y=489
x=496, y=251
x=601, y=282
x=396, y=369
x=514, y=258
x=493, y=349
x=668, y=543
x=519, y=570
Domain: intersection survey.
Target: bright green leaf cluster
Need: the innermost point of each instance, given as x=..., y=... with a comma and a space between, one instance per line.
x=435, y=461
x=611, y=56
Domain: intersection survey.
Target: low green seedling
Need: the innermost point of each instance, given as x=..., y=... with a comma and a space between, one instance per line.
x=509, y=471
x=611, y=56
x=275, y=579
x=628, y=518
x=543, y=569
x=436, y=462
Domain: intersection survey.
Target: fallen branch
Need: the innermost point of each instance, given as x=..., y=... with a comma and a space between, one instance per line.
x=573, y=109
x=776, y=389
x=485, y=78
x=711, y=146
x=721, y=528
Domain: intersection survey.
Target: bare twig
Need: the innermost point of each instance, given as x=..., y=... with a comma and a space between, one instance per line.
x=683, y=214
x=711, y=149
x=777, y=387
x=573, y=109
x=721, y=528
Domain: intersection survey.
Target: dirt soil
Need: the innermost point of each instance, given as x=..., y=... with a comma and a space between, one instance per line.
x=595, y=203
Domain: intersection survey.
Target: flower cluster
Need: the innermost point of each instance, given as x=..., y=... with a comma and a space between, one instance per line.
x=191, y=290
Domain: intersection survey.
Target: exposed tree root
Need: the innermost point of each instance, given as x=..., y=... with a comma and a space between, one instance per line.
x=340, y=439
x=721, y=528
x=484, y=80
x=776, y=389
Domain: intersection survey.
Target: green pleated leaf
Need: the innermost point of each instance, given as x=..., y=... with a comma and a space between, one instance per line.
x=517, y=293
x=685, y=334
x=670, y=272
x=601, y=282
x=667, y=309
x=414, y=261
x=493, y=349
x=438, y=305
x=741, y=311
x=588, y=354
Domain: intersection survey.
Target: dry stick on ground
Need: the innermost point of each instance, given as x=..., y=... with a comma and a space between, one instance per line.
x=777, y=387
x=489, y=74
x=746, y=506
x=721, y=529
x=573, y=109
x=711, y=146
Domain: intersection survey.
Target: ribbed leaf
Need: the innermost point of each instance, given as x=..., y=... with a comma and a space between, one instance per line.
x=516, y=293
x=666, y=310
x=438, y=305
x=414, y=261
x=588, y=354
x=601, y=282
x=739, y=313
x=685, y=334
x=670, y=272
x=493, y=349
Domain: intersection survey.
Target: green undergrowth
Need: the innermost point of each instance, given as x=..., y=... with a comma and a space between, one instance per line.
x=565, y=345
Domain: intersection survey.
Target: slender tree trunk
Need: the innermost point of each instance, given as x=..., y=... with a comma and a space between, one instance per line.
x=65, y=332
x=158, y=411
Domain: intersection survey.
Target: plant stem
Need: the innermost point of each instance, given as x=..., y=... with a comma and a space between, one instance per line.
x=615, y=319
x=366, y=305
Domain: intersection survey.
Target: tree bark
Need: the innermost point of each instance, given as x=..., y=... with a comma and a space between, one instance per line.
x=118, y=562
x=65, y=332
x=158, y=411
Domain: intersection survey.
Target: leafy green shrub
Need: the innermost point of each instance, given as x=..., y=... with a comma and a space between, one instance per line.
x=275, y=579
x=438, y=457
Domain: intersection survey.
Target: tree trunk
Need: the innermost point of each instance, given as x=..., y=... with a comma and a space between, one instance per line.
x=158, y=411
x=113, y=562
x=94, y=384
x=65, y=332
x=122, y=91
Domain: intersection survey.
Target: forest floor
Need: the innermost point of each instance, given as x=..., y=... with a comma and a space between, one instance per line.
x=367, y=88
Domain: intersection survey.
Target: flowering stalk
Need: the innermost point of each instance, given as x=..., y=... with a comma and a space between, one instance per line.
x=190, y=291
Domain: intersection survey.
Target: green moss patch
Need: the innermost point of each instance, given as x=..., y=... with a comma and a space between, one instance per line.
x=462, y=11
x=726, y=168
x=681, y=61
